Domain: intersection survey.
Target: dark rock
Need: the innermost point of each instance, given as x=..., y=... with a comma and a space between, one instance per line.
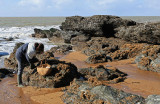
x=38, y=33
x=61, y=49
x=143, y=33
x=98, y=25
x=63, y=36
x=5, y=72
x=99, y=58
x=101, y=45
x=153, y=99
x=111, y=75
x=9, y=39
x=82, y=92
x=60, y=76
x=79, y=38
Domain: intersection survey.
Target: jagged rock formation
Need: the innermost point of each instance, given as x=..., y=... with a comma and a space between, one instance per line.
x=143, y=33
x=98, y=25
x=83, y=92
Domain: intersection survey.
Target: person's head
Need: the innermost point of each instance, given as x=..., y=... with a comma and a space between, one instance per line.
x=39, y=47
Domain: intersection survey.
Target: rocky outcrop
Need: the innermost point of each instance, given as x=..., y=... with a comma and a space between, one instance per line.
x=100, y=45
x=61, y=49
x=149, y=58
x=98, y=58
x=63, y=36
x=38, y=33
x=143, y=33
x=85, y=93
x=98, y=25
x=110, y=75
x=127, y=51
x=61, y=75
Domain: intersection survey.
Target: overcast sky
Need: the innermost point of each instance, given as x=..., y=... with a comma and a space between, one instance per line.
x=27, y=8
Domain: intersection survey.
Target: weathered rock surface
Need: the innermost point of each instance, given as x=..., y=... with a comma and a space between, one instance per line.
x=61, y=49
x=85, y=93
x=143, y=33
x=153, y=99
x=38, y=33
x=111, y=75
x=149, y=58
x=63, y=36
x=98, y=58
x=98, y=25
x=127, y=51
x=100, y=45
x=61, y=75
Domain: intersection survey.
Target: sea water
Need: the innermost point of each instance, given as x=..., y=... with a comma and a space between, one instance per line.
x=20, y=29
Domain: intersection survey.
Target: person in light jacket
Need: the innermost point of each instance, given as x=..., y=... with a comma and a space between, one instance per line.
x=25, y=54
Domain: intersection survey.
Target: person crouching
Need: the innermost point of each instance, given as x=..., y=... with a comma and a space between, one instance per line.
x=25, y=53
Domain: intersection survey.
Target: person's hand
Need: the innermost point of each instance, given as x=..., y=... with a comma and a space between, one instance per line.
x=32, y=66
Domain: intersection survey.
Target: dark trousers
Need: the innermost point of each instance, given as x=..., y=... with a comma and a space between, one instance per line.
x=20, y=60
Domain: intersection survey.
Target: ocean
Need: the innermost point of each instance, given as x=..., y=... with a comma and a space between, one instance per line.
x=20, y=29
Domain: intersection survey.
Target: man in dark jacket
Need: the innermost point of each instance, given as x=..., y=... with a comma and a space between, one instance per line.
x=25, y=53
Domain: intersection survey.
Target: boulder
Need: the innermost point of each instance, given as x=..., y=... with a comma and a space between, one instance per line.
x=61, y=49
x=61, y=75
x=97, y=25
x=149, y=58
x=84, y=93
x=101, y=45
x=98, y=58
x=111, y=75
x=63, y=36
x=38, y=33
x=143, y=33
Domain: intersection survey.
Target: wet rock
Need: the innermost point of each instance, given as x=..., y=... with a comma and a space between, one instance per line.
x=112, y=75
x=99, y=58
x=98, y=25
x=84, y=93
x=5, y=72
x=149, y=58
x=62, y=74
x=38, y=33
x=153, y=99
x=143, y=33
x=9, y=39
x=61, y=49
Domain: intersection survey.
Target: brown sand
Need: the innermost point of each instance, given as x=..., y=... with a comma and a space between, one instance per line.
x=138, y=82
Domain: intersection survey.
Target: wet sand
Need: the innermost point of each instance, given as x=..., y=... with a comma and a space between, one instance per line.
x=139, y=82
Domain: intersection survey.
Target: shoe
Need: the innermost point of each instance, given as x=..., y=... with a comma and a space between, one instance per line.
x=20, y=85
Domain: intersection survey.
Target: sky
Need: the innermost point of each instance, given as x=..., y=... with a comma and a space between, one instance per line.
x=34, y=8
